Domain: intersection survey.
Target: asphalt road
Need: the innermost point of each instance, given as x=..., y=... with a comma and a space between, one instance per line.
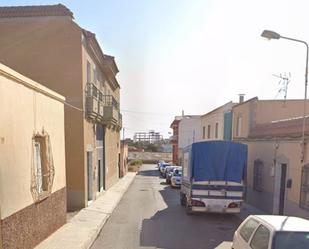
x=150, y=216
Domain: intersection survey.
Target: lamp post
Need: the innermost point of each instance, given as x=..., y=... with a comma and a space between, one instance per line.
x=273, y=35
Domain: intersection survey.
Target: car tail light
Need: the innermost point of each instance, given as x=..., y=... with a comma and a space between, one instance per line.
x=233, y=205
x=197, y=203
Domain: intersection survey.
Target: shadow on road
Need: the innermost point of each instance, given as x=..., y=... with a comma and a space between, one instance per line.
x=172, y=228
x=152, y=172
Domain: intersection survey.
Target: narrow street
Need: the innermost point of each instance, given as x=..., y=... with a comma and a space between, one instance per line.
x=150, y=216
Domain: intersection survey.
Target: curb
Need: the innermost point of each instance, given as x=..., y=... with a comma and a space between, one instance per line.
x=83, y=229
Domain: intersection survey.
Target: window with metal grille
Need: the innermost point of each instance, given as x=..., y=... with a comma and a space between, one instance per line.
x=208, y=131
x=258, y=175
x=42, y=167
x=304, y=192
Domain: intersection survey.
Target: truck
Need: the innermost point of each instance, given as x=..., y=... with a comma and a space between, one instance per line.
x=213, y=177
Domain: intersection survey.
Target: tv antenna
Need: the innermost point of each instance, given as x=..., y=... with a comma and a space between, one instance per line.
x=283, y=83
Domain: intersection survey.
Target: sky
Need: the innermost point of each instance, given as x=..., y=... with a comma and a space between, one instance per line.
x=194, y=55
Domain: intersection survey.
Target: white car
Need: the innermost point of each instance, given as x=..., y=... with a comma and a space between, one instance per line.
x=272, y=232
x=176, y=178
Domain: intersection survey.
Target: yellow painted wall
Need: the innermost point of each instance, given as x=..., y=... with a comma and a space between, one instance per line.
x=25, y=111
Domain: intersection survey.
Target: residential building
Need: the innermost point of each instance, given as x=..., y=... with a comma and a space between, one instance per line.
x=174, y=138
x=32, y=161
x=277, y=174
x=217, y=124
x=189, y=132
x=45, y=44
x=148, y=137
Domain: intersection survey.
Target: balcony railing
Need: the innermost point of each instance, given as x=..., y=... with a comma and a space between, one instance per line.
x=102, y=108
x=120, y=120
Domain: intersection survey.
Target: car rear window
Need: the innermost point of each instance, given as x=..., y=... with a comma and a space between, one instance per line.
x=248, y=228
x=294, y=240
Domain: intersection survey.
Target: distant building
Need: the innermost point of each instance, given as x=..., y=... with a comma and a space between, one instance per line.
x=148, y=137
x=174, y=138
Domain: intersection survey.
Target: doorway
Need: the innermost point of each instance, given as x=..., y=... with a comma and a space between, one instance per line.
x=89, y=175
x=100, y=132
x=280, y=189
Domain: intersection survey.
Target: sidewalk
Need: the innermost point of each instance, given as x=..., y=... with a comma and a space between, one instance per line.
x=82, y=230
x=247, y=210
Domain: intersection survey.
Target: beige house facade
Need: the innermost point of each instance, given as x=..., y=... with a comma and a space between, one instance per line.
x=45, y=44
x=32, y=161
x=216, y=124
x=277, y=174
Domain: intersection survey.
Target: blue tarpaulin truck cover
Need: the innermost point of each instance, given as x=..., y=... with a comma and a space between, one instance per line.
x=218, y=161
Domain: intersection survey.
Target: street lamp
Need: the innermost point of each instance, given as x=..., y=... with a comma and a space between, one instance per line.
x=273, y=35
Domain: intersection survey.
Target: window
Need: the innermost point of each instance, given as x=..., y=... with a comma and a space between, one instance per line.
x=258, y=175
x=260, y=239
x=208, y=131
x=238, y=126
x=216, y=130
x=88, y=72
x=42, y=167
x=94, y=73
x=287, y=240
x=204, y=132
x=304, y=192
x=248, y=228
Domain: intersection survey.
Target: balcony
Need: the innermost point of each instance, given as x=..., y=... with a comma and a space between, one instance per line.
x=102, y=108
x=120, y=121
x=111, y=110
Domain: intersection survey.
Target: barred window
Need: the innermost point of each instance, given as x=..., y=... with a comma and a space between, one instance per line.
x=42, y=167
x=304, y=192
x=258, y=175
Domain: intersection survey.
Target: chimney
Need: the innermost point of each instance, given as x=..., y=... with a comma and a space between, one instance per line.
x=241, y=98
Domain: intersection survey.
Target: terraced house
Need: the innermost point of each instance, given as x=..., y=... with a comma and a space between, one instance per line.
x=45, y=44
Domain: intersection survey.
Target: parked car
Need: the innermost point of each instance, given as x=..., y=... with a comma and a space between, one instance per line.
x=272, y=232
x=160, y=162
x=176, y=178
x=162, y=168
x=169, y=173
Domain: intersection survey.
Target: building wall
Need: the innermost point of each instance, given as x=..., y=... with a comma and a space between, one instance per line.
x=112, y=156
x=189, y=131
x=27, y=108
x=40, y=49
x=124, y=155
x=111, y=137
x=212, y=118
x=257, y=111
x=273, y=154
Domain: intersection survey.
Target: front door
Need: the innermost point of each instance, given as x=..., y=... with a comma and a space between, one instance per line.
x=89, y=174
x=282, y=189
x=100, y=157
x=279, y=190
